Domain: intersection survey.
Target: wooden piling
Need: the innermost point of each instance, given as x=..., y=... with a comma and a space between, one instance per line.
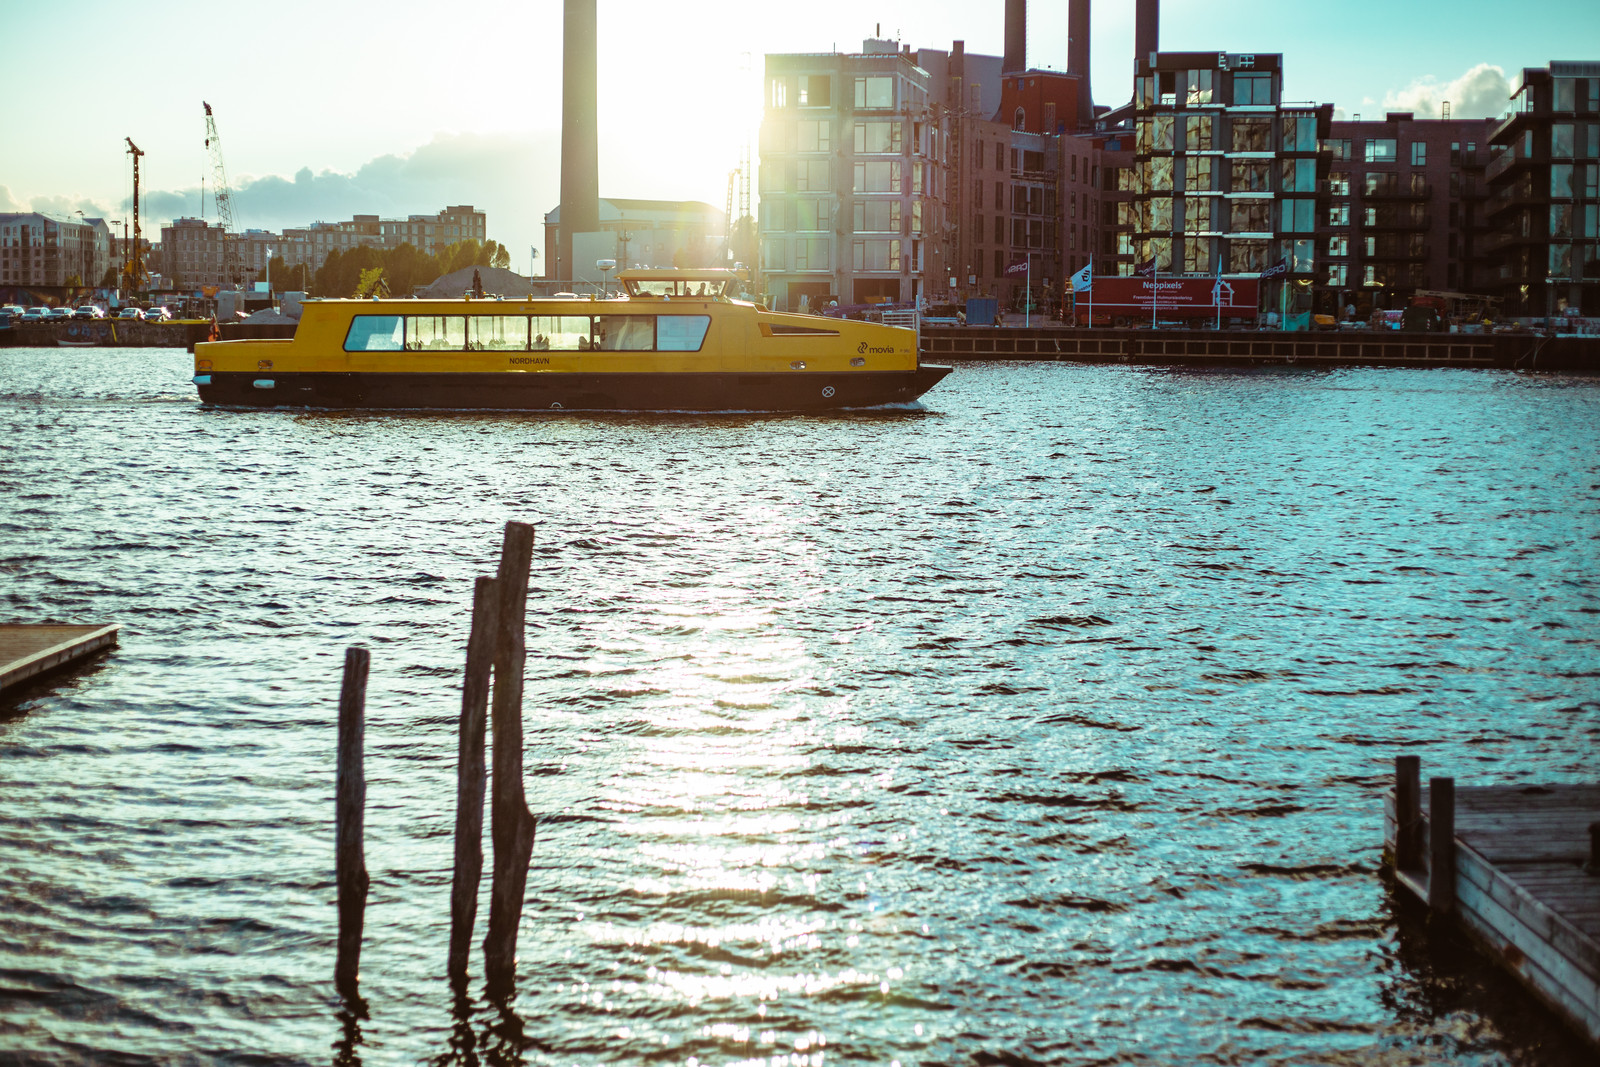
x=350, y=864
x=511, y=823
x=471, y=776
x=1508, y=863
x=1442, y=844
x=1408, y=812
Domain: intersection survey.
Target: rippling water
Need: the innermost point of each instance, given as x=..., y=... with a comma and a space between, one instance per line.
x=1047, y=725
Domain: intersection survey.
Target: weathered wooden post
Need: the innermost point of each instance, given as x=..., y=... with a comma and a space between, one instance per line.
x=1442, y=844
x=1593, y=866
x=1407, y=812
x=350, y=801
x=511, y=823
x=471, y=776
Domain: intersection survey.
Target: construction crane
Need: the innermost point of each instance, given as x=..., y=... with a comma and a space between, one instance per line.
x=232, y=267
x=133, y=276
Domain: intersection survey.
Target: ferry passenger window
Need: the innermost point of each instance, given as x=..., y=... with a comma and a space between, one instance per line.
x=374, y=333
x=497, y=333
x=681, y=333
x=428, y=333
x=625, y=333
x=560, y=333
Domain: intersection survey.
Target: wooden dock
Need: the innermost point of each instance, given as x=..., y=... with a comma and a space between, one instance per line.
x=27, y=651
x=1519, y=868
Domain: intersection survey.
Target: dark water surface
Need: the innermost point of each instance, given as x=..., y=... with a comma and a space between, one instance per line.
x=1047, y=725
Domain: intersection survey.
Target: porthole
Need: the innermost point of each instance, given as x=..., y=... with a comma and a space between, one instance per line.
x=798, y=364
x=858, y=362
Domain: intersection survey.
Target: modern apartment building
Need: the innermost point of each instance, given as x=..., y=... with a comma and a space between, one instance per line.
x=1544, y=194
x=1405, y=211
x=39, y=250
x=853, y=156
x=1226, y=174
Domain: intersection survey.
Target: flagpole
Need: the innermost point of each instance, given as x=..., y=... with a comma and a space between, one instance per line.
x=1091, y=289
x=1027, y=292
x=1155, y=289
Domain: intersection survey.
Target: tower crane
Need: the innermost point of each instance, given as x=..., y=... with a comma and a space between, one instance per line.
x=232, y=266
x=133, y=266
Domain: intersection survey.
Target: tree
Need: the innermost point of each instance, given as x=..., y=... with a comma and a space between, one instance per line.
x=502, y=257
x=742, y=241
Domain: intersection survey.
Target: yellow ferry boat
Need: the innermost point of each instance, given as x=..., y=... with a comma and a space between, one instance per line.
x=678, y=341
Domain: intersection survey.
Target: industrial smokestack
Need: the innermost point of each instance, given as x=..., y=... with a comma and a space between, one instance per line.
x=1016, y=57
x=1078, y=58
x=580, y=135
x=1146, y=29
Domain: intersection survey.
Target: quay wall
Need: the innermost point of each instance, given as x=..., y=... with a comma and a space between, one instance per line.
x=1522, y=351
x=109, y=333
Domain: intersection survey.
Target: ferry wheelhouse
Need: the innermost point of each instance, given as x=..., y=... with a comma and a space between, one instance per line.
x=678, y=340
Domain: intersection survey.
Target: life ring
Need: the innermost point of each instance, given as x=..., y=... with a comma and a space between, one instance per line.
x=72, y=331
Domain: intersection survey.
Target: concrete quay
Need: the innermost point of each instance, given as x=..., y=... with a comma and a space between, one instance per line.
x=1577, y=354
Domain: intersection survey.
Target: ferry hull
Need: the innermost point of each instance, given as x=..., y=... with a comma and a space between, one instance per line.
x=706, y=391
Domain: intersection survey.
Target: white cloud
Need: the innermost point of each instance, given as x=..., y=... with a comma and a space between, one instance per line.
x=514, y=178
x=1482, y=92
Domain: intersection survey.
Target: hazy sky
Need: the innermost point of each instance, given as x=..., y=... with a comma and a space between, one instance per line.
x=333, y=108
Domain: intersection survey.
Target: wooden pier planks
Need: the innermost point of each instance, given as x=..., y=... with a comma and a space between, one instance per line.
x=1520, y=885
x=28, y=650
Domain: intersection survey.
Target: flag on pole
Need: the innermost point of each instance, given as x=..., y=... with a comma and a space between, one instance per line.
x=1083, y=281
x=1279, y=268
x=1147, y=269
x=1018, y=266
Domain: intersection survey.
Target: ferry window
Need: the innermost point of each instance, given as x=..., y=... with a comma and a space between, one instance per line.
x=436, y=332
x=681, y=333
x=497, y=333
x=625, y=333
x=560, y=333
x=374, y=333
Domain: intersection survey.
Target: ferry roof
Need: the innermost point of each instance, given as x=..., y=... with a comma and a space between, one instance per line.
x=688, y=274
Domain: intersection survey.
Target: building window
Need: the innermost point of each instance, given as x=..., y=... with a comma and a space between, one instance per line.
x=810, y=214
x=816, y=90
x=1561, y=179
x=877, y=177
x=1299, y=216
x=1339, y=246
x=1197, y=132
x=1419, y=153
x=811, y=253
x=1298, y=176
x=1019, y=120
x=811, y=175
x=1252, y=216
x=1247, y=257
x=1252, y=135
x=1250, y=176
x=875, y=92
x=999, y=196
x=1561, y=140
x=999, y=156
x=877, y=216
x=1252, y=90
x=1337, y=273
x=813, y=136
x=772, y=255
x=879, y=136
x=1381, y=150
x=876, y=255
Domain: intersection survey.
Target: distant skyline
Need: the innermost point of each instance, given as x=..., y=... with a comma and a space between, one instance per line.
x=328, y=110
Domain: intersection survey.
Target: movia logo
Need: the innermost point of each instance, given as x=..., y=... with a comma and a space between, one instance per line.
x=863, y=348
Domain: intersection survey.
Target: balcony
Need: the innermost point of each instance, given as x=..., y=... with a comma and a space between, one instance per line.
x=1400, y=192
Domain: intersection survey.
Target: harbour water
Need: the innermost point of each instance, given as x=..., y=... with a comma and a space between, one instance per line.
x=1046, y=725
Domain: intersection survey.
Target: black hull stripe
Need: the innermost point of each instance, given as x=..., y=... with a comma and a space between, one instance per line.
x=573, y=392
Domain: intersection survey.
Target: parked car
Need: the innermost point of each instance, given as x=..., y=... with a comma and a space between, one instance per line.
x=36, y=315
x=60, y=313
x=130, y=313
x=88, y=311
x=16, y=311
x=157, y=314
